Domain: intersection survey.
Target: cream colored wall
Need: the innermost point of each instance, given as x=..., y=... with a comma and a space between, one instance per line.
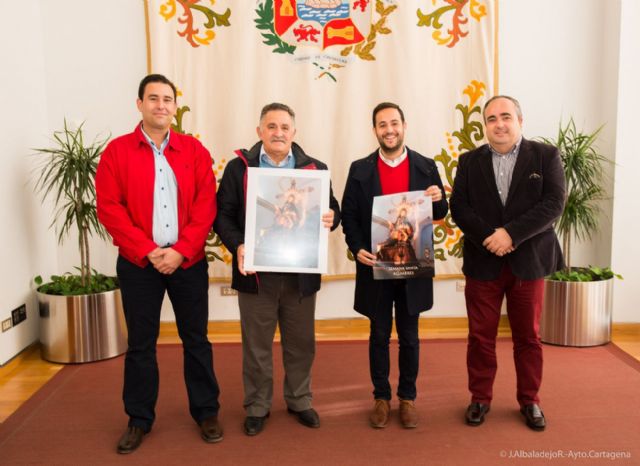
x=625, y=251
x=22, y=122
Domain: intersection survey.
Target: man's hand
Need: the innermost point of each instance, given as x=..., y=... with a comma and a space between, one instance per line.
x=435, y=192
x=327, y=219
x=366, y=258
x=168, y=262
x=240, y=257
x=499, y=243
x=155, y=256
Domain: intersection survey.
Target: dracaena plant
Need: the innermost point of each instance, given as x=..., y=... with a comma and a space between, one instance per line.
x=584, y=176
x=67, y=176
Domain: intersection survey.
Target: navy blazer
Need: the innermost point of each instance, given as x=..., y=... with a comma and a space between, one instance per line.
x=363, y=183
x=535, y=201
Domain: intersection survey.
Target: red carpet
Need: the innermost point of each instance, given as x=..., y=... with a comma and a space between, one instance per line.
x=589, y=395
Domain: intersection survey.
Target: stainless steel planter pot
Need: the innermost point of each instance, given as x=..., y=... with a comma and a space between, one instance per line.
x=577, y=313
x=85, y=328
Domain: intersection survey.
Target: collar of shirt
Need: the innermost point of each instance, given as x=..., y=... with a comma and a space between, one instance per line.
x=152, y=144
x=394, y=162
x=267, y=161
x=513, y=151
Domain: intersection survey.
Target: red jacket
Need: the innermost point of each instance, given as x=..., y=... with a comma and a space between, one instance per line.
x=124, y=186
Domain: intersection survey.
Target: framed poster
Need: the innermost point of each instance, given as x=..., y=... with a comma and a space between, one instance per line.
x=284, y=230
x=402, y=236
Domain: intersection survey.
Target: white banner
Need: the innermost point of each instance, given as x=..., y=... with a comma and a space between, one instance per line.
x=332, y=61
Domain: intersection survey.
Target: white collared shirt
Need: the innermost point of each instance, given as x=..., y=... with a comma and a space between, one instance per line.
x=394, y=162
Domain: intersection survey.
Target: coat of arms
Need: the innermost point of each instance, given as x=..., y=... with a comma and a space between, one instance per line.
x=327, y=31
x=322, y=23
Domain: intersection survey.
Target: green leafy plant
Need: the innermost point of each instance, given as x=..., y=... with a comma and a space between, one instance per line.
x=69, y=284
x=67, y=175
x=584, y=274
x=584, y=176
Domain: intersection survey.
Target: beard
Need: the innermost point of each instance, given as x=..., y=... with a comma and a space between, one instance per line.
x=388, y=148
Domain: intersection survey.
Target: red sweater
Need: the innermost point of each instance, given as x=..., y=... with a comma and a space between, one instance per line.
x=394, y=179
x=124, y=186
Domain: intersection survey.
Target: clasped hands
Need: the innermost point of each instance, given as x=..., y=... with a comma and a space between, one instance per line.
x=327, y=221
x=499, y=242
x=165, y=260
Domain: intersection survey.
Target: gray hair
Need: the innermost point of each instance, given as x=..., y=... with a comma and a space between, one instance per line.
x=277, y=106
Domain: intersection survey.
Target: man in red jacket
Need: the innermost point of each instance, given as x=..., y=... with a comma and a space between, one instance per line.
x=157, y=198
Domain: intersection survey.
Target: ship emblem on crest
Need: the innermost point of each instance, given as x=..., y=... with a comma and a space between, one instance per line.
x=322, y=23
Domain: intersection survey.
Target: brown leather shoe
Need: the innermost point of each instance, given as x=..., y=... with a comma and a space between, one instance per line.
x=211, y=430
x=408, y=414
x=380, y=414
x=130, y=440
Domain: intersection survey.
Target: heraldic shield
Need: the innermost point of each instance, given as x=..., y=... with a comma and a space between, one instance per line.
x=322, y=23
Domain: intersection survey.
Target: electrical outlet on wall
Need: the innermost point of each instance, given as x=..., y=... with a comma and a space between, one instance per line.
x=227, y=291
x=460, y=286
x=6, y=324
x=19, y=314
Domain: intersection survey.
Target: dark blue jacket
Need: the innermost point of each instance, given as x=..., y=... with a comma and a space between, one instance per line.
x=363, y=183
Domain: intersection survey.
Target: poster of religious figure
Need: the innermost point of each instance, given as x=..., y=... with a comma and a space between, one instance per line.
x=284, y=231
x=402, y=236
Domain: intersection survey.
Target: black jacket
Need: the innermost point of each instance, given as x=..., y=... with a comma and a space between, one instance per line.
x=363, y=183
x=535, y=201
x=230, y=220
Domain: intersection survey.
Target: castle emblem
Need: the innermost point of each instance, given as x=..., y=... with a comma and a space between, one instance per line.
x=322, y=23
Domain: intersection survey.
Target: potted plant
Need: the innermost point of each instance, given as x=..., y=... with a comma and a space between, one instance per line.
x=578, y=300
x=81, y=317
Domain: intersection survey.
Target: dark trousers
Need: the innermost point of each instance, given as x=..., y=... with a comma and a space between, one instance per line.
x=278, y=302
x=142, y=294
x=524, y=305
x=394, y=291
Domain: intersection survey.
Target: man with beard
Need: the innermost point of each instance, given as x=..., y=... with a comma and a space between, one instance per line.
x=393, y=168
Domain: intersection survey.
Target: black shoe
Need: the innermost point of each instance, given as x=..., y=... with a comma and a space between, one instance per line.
x=253, y=425
x=130, y=440
x=308, y=417
x=534, y=417
x=475, y=413
x=211, y=430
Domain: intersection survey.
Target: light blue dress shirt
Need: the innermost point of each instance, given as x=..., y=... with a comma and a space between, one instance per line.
x=267, y=162
x=165, y=197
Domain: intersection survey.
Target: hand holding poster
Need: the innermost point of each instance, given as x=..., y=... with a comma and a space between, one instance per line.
x=402, y=236
x=284, y=231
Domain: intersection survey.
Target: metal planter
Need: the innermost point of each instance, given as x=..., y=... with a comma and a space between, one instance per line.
x=577, y=313
x=86, y=328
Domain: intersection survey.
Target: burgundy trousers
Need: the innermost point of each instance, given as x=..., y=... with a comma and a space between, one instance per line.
x=524, y=306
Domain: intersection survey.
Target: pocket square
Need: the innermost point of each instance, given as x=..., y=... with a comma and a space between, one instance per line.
x=534, y=176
